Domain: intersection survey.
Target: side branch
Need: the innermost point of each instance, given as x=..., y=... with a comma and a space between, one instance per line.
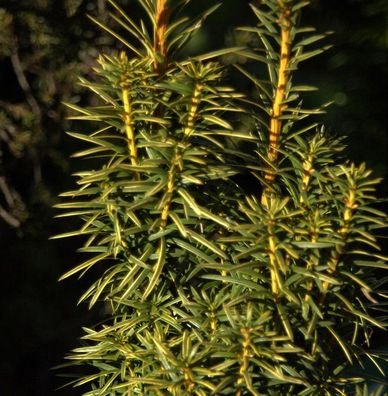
x=175, y=169
x=350, y=205
x=129, y=127
x=177, y=164
x=195, y=100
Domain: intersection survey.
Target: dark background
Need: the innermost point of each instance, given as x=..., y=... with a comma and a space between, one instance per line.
x=46, y=44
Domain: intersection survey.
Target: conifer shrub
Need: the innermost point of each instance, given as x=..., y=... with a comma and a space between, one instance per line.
x=214, y=287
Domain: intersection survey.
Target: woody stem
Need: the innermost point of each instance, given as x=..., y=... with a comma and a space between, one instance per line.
x=160, y=46
x=278, y=107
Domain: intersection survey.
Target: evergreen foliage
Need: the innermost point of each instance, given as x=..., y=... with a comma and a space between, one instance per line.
x=212, y=289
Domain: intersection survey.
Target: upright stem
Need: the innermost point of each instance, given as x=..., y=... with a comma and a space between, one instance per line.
x=273, y=262
x=162, y=17
x=275, y=127
x=160, y=46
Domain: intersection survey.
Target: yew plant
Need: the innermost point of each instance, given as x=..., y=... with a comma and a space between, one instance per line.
x=212, y=289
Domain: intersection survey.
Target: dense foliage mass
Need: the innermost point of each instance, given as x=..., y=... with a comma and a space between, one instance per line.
x=211, y=288
x=224, y=212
